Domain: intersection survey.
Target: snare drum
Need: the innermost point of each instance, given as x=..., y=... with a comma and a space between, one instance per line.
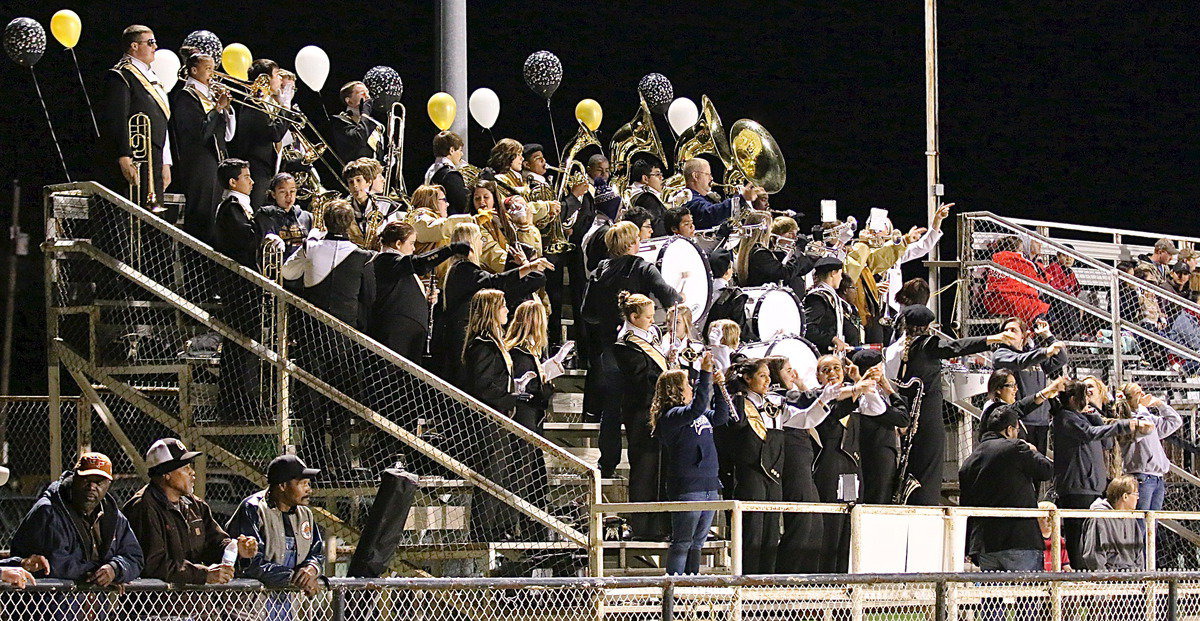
x=684, y=267
x=802, y=354
x=773, y=310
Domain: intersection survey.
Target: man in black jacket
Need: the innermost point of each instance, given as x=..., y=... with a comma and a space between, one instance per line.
x=258, y=134
x=234, y=233
x=131, y=87
x=448, y=151
x=354, y=133
x=1038, y=358
x=1004, y=471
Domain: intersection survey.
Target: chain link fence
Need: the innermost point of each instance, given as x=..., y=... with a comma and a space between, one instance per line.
x=969, y=597
x=187, y=343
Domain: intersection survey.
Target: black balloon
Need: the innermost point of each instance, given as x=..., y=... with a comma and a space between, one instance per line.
x=543, y=73
x=24, y=41
x=206, y=43
x=382, y=81
x=656, y=89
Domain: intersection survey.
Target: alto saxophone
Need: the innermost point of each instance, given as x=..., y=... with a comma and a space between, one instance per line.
x=905, y=484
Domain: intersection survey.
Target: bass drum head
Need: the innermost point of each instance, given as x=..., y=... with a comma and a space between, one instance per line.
x=801, y=353
x=684, y=268
x=775, y=312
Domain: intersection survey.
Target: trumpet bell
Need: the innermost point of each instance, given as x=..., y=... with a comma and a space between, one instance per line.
x=756, y=155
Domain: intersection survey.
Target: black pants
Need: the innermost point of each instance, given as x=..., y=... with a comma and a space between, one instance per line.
x=800, y=545
x=878, y=474
x=1037, y=436
x=928, y=457
x=1072, y=528
x=760, y=531
x=555, y=290
x=407, y=338
x=644, y=485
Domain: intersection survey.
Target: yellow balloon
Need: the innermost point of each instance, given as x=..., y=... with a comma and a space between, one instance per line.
x=442, y=110
x=65, y=26
x=236, y=59
x=590, y=113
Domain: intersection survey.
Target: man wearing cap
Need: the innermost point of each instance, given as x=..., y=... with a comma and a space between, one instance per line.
x=828, y=319
x=180, y=540
x=1158, y=262
x=79, y=530
x=290, y=548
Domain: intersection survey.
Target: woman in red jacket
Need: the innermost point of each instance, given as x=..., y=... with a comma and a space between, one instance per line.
x=1005, y=295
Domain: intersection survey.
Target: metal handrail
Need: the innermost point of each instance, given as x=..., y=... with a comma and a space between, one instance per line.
x=1102, y=230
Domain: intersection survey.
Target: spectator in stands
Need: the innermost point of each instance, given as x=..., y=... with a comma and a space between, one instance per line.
x=1144, y=456
x=1003, y=389
x=78, y=530
x=400, y=315
x=290, y=547
x=339, y=277
x=1045, y=525
x=1130, y=302
x=1079, y=472
x=1181, y=278
x=684, y=422
x=1114, y=544
x=1190, y=257
x=1185, y=330
x=1036, y=358
x=1158, y=262
x=1007, y=296
x=15, y=570
x=1004, y=471
x=1064, y=318
x=181, y=541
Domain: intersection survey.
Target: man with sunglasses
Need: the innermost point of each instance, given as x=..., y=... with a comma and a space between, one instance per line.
x=132, y=87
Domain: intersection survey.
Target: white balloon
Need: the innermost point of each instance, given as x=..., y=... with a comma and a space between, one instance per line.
x=682, y=114
x=166, y=67
x=312, y=66
x=484, y=106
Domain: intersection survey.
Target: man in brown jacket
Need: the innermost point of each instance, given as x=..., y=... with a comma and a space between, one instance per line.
x=180, y=540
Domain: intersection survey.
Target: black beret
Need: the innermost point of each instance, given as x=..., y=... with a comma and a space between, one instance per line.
x=828, y=264
x=530, y=149
x=916, y=315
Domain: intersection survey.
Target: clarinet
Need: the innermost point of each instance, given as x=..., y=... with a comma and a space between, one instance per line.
x=906, y=484
x=733, y=415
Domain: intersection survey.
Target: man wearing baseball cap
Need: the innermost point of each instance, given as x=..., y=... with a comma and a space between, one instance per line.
x=290, y=548
x=180, y=539
x=79, y=530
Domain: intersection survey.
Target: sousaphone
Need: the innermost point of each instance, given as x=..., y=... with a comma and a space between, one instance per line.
x=637, y=136
x=756, y=157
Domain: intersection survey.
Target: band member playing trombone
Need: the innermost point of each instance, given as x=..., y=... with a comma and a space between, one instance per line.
x=445, y=171
x=202, y=123
x=132, y=88
x=355, y=133
x=708, y=212
x=258, y=136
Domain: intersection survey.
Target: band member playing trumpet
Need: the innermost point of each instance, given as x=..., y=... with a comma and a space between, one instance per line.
x=878, y=248
x=707, y=211
x=131, y=88
x=258, y=136
x=202, y=123
x=758, y=264
x=828, y=323
x=355, y=133
x=448, y=149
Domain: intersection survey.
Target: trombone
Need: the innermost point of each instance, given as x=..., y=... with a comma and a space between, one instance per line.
x=395, y=156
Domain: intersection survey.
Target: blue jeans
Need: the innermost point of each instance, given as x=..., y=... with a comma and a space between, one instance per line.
x=1151, y=491
x=689, y=531
x=1010, y=560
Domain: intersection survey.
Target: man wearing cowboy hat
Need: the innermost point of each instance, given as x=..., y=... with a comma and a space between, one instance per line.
x=181, y=541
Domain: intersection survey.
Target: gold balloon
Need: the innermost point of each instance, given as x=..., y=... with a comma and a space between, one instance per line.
x=442, y=110
x=236, y=59
x=65, y=26
x=590, y=113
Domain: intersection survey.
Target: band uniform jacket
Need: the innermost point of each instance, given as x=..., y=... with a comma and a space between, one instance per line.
x=235, y=234
x=399, y=295
x=127, y=91
x=198, y=141
x=458, y=195
x=647, y=200
x=352, y=140
x=256, y=142
x=822, y=311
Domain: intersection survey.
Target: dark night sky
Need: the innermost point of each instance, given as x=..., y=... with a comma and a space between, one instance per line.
x=1074, y=111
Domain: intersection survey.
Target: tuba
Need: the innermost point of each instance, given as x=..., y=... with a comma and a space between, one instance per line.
x=756, y=157
x=373, y=224
x=470, y=174
x=583, y=138
x=706, y=137
x=637, y=136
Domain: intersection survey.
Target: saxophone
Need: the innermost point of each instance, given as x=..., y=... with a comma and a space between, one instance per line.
x=373, y=225
x=906, y=484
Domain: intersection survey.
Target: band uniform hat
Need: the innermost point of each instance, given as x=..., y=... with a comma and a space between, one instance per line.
x=168, y=454
x=531, y=148
x=94, y=463
x=828, y=264
x=287, y=468
x=915, y=315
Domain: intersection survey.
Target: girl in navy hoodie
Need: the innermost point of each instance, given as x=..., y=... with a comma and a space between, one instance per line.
x=683, y=422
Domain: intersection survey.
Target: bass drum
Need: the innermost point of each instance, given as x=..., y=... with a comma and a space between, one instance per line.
x=684, y=267
x=802, y=354
x=773, y=310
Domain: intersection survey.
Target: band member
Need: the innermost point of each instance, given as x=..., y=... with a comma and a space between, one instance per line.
x=202, y=122
x=338, y=276
x=354, y=132
x=400, y=315
x=646, y=192
x=534, y=167
x=500, y=249
x=506, y=161
x=526, y=343
x=234, y=233
x=642, y=219
x=598, y=167
x=578, y=209
x=448, y=149
x=131, y=87
x=679, y=221
x=876, y=251
x=878, y=439
x=640, y=361
x=519, y=217
x=606, y=204
x=803, y=534
x=921, y=357
x=706, y=210
x=463, y=279
x=828, y=319
x=258, y=135
x=283, y=216
x=371, y=212
x=429, y=218
x=757, y=264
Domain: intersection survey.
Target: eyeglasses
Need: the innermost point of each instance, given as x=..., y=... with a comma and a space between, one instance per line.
x=657, y=174
x=442, y=199
x=1010, y=385
x=150, y=42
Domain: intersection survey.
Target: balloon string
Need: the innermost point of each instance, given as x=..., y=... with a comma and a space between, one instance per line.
x=53, y=135
x=86, y=97
x=489, y=133
x=553, y=132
